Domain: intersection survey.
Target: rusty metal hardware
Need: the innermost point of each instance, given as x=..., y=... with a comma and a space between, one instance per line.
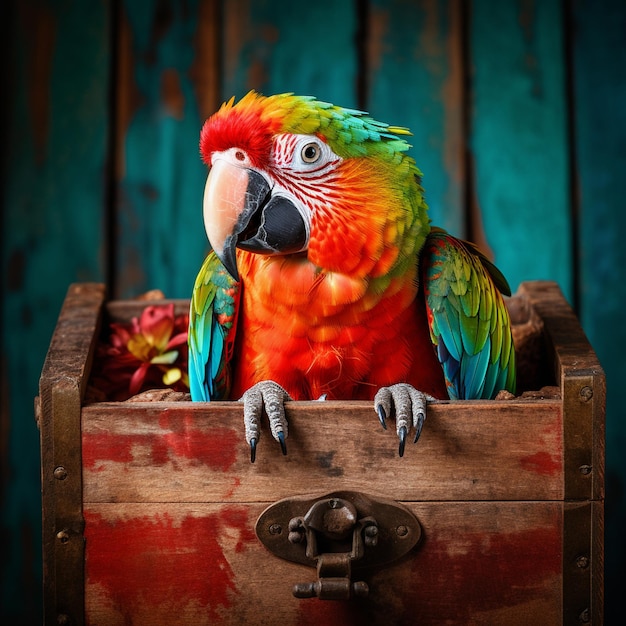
x=337, y=533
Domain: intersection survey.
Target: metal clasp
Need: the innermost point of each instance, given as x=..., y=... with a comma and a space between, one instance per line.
x=338, y=532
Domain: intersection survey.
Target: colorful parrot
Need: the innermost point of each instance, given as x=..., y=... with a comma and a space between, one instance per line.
x=326, y=279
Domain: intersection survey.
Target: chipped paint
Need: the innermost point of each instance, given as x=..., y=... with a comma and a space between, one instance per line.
x=155, y=567
x=178, y=444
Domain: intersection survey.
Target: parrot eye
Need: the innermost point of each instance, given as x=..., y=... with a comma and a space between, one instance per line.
x=311, y=153
x=303, y=154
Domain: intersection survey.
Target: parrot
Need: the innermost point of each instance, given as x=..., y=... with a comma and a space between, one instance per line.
x=326, y=280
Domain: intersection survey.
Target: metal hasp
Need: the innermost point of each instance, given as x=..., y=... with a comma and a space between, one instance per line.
x=337, y=533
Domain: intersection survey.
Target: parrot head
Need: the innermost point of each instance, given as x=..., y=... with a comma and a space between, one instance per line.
x=291, y=175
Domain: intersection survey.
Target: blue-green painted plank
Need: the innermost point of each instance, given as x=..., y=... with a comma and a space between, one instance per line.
x=519, y=138
x=415, y=79
x=160, y=242
x=277, y=46
x=54, y=180
x=599, y=86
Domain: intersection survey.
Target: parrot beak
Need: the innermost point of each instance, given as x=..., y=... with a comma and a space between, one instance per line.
x=241, y=212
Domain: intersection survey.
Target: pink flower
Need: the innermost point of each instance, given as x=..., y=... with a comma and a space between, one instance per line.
x=149, y=352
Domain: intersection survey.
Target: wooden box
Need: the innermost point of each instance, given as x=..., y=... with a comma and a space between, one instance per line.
x=150, y=508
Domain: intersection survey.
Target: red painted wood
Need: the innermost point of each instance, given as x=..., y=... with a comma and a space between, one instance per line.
x=154, y=567
x=490, y=563
x=188, y=444
x=174, y=452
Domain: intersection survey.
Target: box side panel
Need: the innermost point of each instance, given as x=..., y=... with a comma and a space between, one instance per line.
x=597, y=562
x=478, y=563
x=583, y=388
x=62, y=386
x=175, y=452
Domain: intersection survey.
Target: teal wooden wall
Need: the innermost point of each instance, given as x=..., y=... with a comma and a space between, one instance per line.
x=518, y=109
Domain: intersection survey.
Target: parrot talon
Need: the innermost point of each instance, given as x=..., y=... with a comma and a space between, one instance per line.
x=266, y=397
x=408, y=407
x=418, y=427
x=402, y=437
x=382, y=416
x=281, y=440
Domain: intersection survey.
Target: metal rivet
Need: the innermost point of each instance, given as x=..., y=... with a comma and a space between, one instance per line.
x=63, y=536
x=275, y=529
x=585, y=469
x=586, y=393
x=60, y=473
x=582, y=562
x=402, y=531
x=584, y=617
x=371, y=536
x=360, y=589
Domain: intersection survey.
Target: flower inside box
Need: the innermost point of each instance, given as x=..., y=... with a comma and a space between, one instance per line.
x=147, y=352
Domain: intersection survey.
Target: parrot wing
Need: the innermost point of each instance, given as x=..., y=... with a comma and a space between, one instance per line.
x=468, y=320
x=212, y=327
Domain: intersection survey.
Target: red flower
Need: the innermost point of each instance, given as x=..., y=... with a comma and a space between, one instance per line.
x=149, y=352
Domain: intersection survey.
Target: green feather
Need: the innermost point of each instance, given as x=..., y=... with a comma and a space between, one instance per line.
x=212, y=321
x=470, y=324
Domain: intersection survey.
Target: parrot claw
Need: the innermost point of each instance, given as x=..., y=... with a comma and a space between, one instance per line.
x=418, y=426
x=281, y=440
x=382, y=416
x=409, y=406
x=270, y=397
x=402, y=437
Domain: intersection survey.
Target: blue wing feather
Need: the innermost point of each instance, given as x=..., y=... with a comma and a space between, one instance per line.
x=212, y=327
x=469, y=322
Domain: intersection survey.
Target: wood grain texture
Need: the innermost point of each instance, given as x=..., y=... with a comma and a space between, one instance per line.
x=515, y=546
x=277, y=46
x=468, y=451
x=599, y=134
x=167, y=89
x=518, y=141
x=62, y=387
x=415, y=79
x=55, y=83
x=583, y=383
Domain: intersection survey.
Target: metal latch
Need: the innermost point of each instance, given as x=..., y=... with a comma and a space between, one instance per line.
x=337, y=533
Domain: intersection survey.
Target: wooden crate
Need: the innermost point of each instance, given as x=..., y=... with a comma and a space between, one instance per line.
x=149, y=508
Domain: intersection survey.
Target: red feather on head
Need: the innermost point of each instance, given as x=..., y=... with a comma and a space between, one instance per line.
x=239, y=128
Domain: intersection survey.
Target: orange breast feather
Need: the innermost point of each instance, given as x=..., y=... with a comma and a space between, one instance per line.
x=326, y=333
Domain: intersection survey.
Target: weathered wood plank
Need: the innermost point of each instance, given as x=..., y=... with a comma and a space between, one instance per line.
x=485, y=562
x=62, y=386
x=599, y=131
x=55, y=83
x=467, y=451
x=168, y=84
x=518, y=138
x=277, y=46
x=415, y=79
x=583, y=384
